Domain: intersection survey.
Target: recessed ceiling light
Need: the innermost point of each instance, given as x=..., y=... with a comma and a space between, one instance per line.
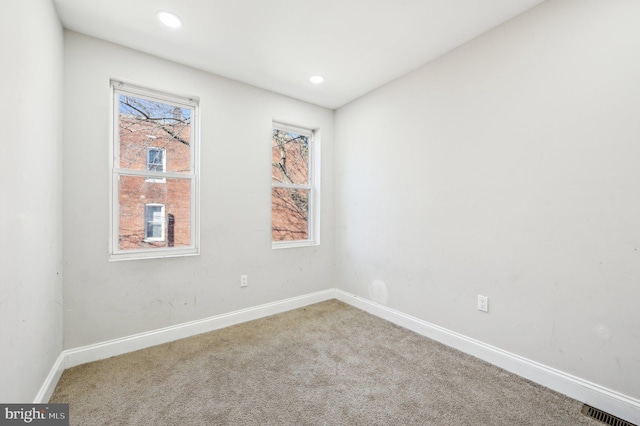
x=316, y=79
x=169, y=19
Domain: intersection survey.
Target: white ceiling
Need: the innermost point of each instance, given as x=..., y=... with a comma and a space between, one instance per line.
x=357, y=45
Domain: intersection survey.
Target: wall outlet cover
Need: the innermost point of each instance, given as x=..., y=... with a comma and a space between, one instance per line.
x=483, y=303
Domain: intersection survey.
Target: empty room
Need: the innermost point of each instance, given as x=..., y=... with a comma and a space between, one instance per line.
x=416, y=212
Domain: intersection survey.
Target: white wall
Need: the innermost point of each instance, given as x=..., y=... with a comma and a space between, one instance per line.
x=508, y=168
x=106, y=300
x=31, y=201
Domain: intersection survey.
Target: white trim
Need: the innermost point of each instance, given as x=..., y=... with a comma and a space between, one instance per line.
x=139, y=341
x=314, y=202
x=114, y=180
x=152, y=174
x=597, y=396
x=276, y=245
x=195, y=170
x=50, y=383
x=302, y=131
x=125, y=88
x=613, y=402
x=158, y=253
x=291, y=186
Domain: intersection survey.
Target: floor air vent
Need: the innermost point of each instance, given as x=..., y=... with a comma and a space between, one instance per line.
x=606, y=418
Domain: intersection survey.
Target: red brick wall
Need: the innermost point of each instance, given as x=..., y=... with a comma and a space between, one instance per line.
x=137, y=191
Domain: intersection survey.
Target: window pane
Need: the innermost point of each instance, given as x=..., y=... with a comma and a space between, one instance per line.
x=289, y=214
x=165, y=127
x=154, y=159
x=153, y=212
x=138, y=222
x=289, y=158
x=154, y=230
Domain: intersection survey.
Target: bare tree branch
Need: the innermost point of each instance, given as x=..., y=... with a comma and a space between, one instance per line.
x=160, y=120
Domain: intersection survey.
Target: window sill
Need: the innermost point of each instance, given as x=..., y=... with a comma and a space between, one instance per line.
x=293, y=244
x=153, y=254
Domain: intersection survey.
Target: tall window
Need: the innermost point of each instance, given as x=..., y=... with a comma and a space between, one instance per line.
x=155, y=176
x=293, y=193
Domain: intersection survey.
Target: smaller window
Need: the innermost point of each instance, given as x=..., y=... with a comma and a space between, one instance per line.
x=154, y=222
x=156, y=159
x=294, y=187
x=156, y=162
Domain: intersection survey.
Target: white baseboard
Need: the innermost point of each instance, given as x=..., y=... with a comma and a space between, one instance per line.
x=612, y=402
x=135, y=342
x=51, y=381
x=103, y=350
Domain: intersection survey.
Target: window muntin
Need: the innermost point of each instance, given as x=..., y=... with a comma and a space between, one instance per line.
x=293, y=195
x=154, y=174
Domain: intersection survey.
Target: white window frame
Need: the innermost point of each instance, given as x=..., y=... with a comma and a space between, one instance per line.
x=313, y=186
x=115, y=253
x=162, y=222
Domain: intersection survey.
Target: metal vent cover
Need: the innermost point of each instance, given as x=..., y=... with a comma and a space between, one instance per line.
x=604, y=417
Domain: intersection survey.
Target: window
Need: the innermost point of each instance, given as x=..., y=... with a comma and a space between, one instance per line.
x=294, y=198
x=154, y=219
x=155, y=176
x=155, y=161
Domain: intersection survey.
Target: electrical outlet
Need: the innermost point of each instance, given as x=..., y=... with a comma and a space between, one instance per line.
x=244, y=280
x=483, y=303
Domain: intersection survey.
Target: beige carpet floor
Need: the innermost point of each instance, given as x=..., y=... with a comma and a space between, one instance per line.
x=326, y=364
